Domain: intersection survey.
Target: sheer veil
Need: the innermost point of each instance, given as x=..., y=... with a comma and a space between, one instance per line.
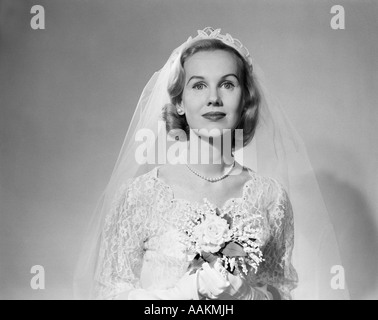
x=276, y=151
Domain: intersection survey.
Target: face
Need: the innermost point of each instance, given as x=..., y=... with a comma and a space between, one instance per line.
x=212, y=93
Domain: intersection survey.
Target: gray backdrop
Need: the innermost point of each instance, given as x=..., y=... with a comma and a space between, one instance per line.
x=67, y=94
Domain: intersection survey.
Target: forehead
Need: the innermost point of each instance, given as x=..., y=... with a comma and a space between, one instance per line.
x=211, y=63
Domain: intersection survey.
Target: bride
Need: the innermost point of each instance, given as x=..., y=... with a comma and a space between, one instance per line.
x=211, y=218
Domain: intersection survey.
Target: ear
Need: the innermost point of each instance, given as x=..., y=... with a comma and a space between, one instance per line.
x=180, y=109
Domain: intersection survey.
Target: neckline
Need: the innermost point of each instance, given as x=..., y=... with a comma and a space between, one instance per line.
x=198, y=203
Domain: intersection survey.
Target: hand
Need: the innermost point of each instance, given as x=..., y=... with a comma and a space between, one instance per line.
x=211, y=283
x=239, y=288
x=185, y=289
x=217, y=283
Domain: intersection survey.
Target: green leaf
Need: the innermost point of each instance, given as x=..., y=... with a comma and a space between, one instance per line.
x=195, y=264
x=228, y=219
x=233, y=249
x=209, y=257
x=199, y=260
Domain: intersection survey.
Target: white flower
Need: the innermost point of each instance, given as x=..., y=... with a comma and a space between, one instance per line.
x=246, y=229
x=211, y=234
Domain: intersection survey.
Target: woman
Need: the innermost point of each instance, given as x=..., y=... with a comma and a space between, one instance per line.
x=145, y=238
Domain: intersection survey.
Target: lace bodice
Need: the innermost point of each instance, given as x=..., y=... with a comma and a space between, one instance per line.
x=141, y=247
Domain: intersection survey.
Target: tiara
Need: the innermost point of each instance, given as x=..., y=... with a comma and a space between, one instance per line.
x=211, y=33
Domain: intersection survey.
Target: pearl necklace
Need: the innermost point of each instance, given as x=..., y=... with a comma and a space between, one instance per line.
x=212, y=179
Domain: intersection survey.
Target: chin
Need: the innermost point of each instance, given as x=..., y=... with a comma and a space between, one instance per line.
x=214, y=131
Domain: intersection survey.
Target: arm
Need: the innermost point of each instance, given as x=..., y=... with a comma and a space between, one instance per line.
x=277, y=273
x=121, y=253
x=121, y=248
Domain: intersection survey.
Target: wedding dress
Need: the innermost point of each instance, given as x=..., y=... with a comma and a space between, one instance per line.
x=132, y=239
x=141, y=240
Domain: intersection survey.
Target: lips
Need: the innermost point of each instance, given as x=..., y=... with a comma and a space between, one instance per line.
x=214, y=115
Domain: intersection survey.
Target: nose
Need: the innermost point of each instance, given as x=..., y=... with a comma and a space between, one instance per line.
x=214, y=98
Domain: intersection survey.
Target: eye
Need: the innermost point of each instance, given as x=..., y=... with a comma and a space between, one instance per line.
x=198, y=86
x=228, y=85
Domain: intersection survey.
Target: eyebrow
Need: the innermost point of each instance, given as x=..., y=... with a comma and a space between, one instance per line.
x=223, y=77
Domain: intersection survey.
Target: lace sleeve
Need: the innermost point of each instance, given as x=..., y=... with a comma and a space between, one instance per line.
x=277, y=270
x=121, y=248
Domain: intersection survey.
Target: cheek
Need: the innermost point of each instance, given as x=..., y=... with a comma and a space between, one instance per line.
x=193, y=104
x=234, y=103
x=193, y=99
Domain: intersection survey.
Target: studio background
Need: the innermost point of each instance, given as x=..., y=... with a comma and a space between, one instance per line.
x=67, y=94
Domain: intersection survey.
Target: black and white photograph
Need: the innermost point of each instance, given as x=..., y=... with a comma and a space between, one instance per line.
x=188, y=150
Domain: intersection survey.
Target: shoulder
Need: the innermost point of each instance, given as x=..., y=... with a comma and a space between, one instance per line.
x=136, y=186
x=269, y=182
x=145, y=180
x=277, y=189
x=275, y=200
x=273, y=190
x=279, y=205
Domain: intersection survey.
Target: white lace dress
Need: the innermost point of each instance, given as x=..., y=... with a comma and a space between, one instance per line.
x=141, y=245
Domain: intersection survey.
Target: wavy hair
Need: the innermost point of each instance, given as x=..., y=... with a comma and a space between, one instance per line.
x=251, y=96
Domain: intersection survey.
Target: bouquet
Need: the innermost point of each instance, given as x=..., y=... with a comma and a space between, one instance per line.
x=210, y=235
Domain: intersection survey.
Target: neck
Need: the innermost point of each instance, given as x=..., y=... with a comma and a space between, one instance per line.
x=208, y=156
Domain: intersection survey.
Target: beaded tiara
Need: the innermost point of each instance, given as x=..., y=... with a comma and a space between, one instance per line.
x=211, y=33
